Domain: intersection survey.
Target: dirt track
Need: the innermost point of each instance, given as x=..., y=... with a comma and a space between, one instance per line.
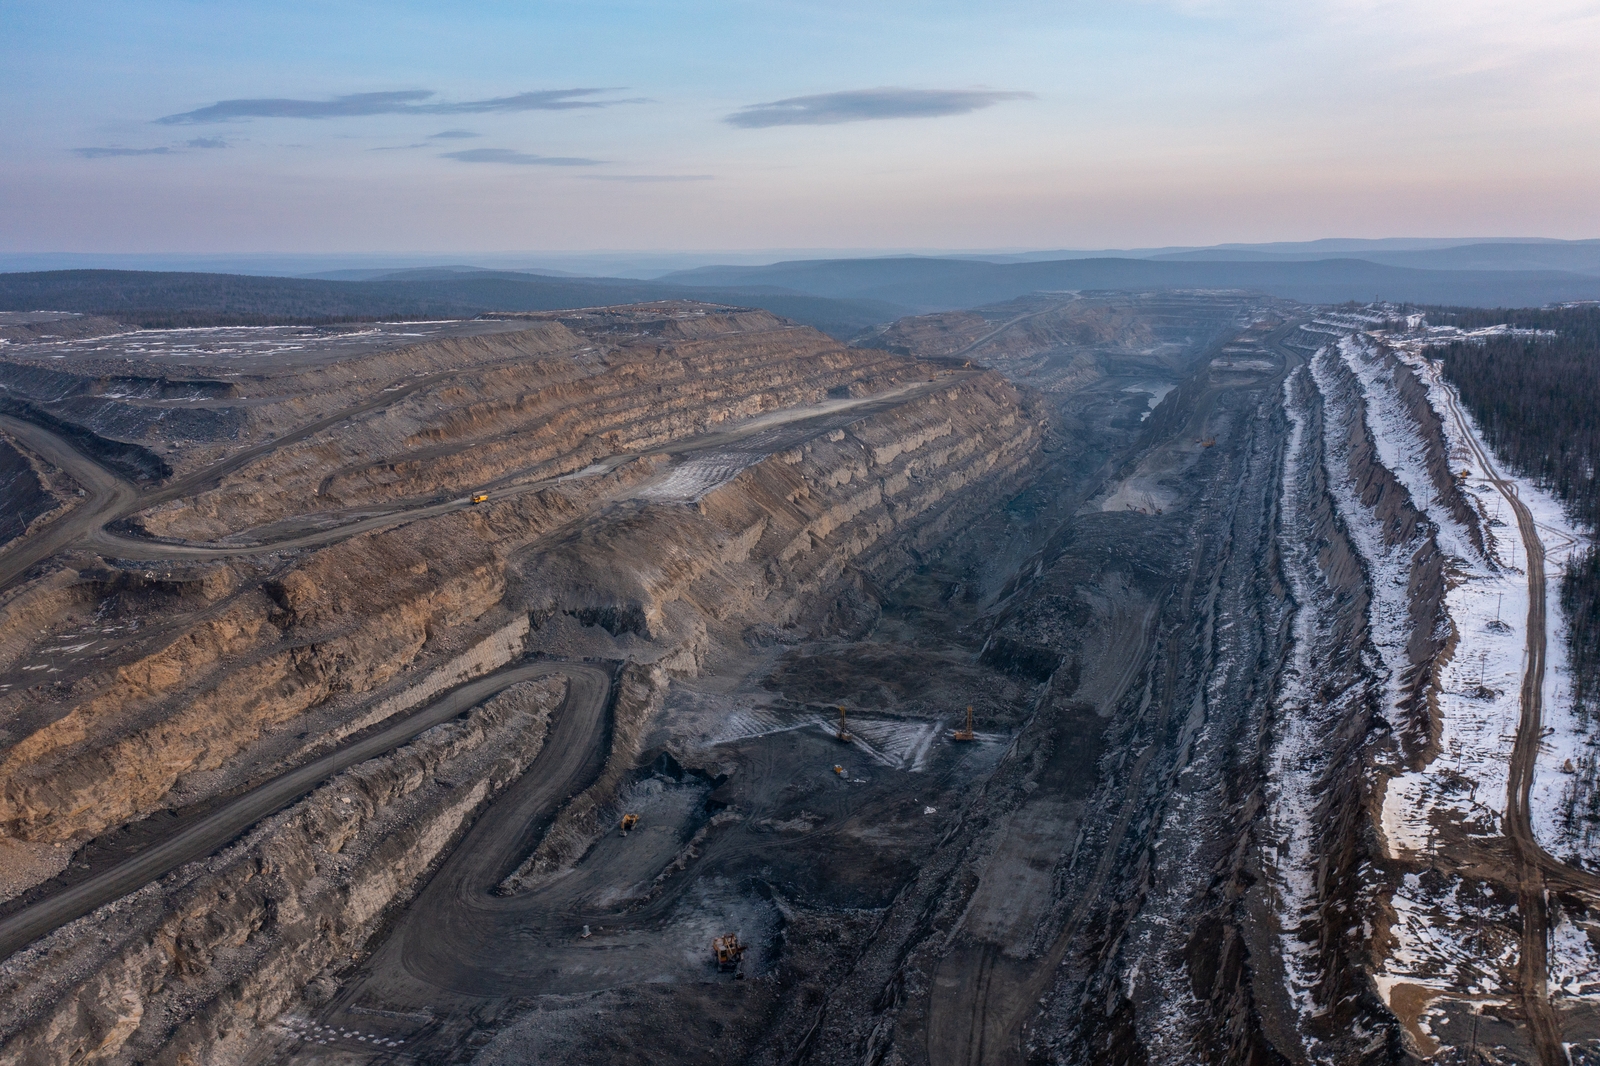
x=576, y=738
x=111, y=497
x=1531, y=860
x=108, y=496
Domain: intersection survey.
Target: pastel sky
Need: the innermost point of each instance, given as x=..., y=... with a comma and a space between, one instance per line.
x=231, y=126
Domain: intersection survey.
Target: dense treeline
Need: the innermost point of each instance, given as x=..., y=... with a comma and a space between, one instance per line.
x=1538, y=401
x=163, y=299
x=1579, y=324
x=126, y=293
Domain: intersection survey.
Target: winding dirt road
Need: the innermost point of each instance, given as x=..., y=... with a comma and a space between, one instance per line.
x=578, y=741
x=575, y=737
x=1532, y=862
x=110, y=497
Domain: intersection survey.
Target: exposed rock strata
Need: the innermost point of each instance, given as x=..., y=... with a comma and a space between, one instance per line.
x=25, y=491
x=117, y=405
x=771, y=545
x=186, y=969
x=638, y=696
x=249, y=666
x=541, y=415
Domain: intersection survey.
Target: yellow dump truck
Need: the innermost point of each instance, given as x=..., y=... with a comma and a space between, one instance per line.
x=480, y=497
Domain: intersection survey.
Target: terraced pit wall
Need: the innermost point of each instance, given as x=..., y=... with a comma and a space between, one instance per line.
x=187, y=969
x=254, y=664
x=1367, y=581
x=25, y=488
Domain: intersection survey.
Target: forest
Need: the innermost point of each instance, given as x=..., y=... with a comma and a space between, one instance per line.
x=168, y=300
x=1538, y=401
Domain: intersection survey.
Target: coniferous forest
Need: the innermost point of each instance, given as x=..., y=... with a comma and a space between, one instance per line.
x=1538, y=401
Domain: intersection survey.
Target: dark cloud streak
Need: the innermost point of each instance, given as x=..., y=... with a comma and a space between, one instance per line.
x=405, y=102
x=515, y=158
x=649, y=177
x=546, y=100
x=863, y=105
x=452, y=135
x=106, y=153
x=339, y=107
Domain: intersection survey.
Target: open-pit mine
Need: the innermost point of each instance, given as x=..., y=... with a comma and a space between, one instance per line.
x=1166, y=677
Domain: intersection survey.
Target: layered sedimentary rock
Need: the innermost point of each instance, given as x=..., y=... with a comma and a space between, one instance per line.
x=186, y=969
x=25, y=491
x=667, y=485
x=753, y=547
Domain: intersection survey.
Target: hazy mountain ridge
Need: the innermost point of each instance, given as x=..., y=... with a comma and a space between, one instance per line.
x=942, y=284
x=166, y=299
x=840, y=296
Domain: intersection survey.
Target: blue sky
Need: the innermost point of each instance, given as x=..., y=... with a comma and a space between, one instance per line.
x=345, y=127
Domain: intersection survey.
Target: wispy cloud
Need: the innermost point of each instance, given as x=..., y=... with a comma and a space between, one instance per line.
x=544, y=100
x=648, y=177
x=451, y=135
x=521, y=159
x=862, y=105
x=104, y=153
x=338, y=107
x=206, y=142
x=403, y=102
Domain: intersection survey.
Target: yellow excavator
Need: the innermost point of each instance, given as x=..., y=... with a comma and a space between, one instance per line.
x=728, y=952
x=964, y=734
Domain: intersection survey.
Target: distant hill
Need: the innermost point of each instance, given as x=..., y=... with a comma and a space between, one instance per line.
x=1580, y=257
x=930, y=284
x=839, y=296
x=166, y=299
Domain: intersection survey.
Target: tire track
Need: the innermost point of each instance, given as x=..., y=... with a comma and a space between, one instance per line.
x=112, y=497
x=580, y=714
x=1530, y=861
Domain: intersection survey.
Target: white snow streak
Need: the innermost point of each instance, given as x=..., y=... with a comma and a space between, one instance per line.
x=1448, y=933
x=1298, y=759
x=1568, y=740
x=1389, y=566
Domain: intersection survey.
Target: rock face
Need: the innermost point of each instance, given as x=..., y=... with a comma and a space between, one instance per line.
x=184, y=970
x=342, y=622
x=25, y=491
x=666, y=484
x=770, y=545
x=1192, y=572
